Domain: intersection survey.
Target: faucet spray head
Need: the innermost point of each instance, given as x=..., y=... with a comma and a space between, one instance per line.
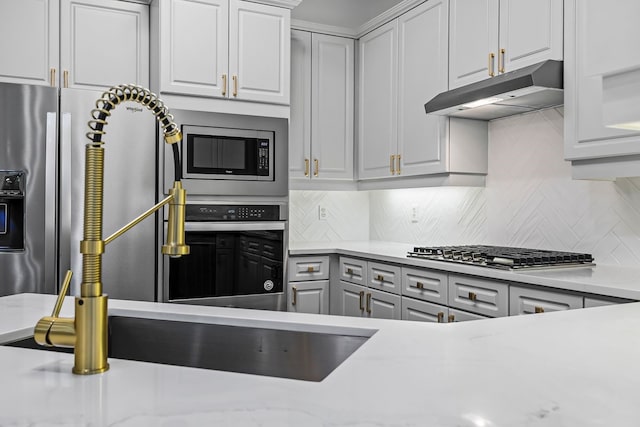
x=175, y=246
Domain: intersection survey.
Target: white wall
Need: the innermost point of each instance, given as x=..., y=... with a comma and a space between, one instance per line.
x=530, y=200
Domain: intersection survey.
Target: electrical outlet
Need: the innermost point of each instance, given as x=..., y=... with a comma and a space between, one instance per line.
x=323, y=213
x=414, y=213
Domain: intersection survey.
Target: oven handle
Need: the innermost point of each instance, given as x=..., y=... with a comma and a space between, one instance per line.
x=234, y=226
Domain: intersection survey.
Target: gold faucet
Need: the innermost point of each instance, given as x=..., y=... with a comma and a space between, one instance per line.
x=87, y=332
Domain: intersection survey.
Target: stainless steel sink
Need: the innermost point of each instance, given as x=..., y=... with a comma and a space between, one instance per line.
x=309, y=356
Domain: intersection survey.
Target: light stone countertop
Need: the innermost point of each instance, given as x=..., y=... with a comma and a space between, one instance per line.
x=608, y=280
x=573, y=368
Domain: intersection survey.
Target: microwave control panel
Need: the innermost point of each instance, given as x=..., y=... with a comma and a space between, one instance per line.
x=195, y=212
x=263, y=157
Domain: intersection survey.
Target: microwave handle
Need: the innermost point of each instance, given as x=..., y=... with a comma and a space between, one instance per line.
x=234, y=226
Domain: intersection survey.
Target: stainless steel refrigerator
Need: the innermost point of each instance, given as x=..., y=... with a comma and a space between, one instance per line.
x=28, y=154
x=42, y=142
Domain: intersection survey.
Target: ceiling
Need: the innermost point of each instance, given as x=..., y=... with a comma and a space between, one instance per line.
x=341, y=13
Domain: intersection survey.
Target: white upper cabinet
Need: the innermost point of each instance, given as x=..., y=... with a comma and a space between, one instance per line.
x=29, y=42
x=403, y=64
x=224, y=49
x=490, y=37
x=601, y=43
x=81, y=44
x=103, y=43
x=322, y=96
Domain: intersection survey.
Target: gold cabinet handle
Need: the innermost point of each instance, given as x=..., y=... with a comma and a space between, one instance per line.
x=369, y=303
x=349, y=271
x=491, y=57
x=398, y=168
x=310, y=269
x=295, y=295
x=52, y=77
x=235, y=85
x=316, y=167
x=361, y=296
x=380, y=278
x=451, y=318
x=501, y=61
x=473, y=296
x=539, y=309
x=65, y=78
x=224, y=84
x=440, y=317
x=391, y=164
x=420, y=285
x=306, y=167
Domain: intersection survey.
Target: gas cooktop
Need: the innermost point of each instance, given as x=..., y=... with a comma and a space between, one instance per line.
x=506, y=258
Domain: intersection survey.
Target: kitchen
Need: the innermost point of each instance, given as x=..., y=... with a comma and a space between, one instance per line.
x=600, y=216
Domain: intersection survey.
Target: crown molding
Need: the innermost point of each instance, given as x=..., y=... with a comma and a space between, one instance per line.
x=288, y=4
x=387, y=16
x=298, y=24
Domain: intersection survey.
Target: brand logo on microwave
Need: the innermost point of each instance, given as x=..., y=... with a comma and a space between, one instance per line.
x=228, y=171
x=134, y=109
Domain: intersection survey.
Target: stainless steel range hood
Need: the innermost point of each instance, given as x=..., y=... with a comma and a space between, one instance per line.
x=531, y=88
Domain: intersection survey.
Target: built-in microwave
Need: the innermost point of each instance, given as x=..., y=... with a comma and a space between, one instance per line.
x=223, y=153
x=230, y=155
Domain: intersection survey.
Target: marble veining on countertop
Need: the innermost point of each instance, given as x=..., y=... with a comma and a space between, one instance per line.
x=608, y=280
x=574, y=368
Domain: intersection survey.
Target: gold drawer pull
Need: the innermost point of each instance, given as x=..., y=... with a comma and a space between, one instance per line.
x=440, y=317
x=380, y=278
x=310, y=269
x=224, y=85
x=491, y=57
x=369, y=303
x=306, y=167
x=473, y=296
x=391, y=164
x=539, y=309
x=295, y=295
x=420, y=285
x=65, y=78
x=316, y=167
x=361, y=296
x=398, y=168
x=452, y=318
x=235, y=85
x=501, y=61
x=52, y=77
x=349, y=271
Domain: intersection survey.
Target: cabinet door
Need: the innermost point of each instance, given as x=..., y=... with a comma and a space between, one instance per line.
x=462, y=316
x=259, y=52
x=381, y=305
x=423, y=52
x=332, y=107
x=308, y=297
x=351, y=299
x=103, y=43
x=524, y=300
x=300, y=121
x=29, y=41
x=421, y=311
x=473, y=39
x=377, y=101
x=593, y=28
x=194, y=47
x=530, y=32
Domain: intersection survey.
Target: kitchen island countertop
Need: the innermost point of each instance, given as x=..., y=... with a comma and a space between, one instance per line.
x=573, y=368
x=608, y=280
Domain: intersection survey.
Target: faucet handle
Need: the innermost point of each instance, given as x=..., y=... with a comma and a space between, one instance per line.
x=61, y=295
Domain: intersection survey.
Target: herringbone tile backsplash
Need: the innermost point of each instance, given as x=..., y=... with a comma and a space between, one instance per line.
x=530, y=200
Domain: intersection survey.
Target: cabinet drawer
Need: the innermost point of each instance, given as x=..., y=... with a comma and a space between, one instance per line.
x=462, y=316
x=524, y=300
x=353, y=270
x=598, y=301
x=427, y=285
x=479, y=296
x=413, y=309
x=308, y=268
x=384, y=277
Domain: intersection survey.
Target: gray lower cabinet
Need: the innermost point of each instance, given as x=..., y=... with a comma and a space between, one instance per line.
x=353, y=270
x=480, y=296
x=303, y=268
x=426, y=285
x=350, y=299
x=308, y=297
x=359, y=301
x=422, y=311
x=463, y=316
x=384, y=277
x=524, y=300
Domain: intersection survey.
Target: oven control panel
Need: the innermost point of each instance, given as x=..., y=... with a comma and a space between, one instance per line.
x=195, y=212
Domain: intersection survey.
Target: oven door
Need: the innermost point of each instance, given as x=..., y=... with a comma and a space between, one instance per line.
x=232, y=264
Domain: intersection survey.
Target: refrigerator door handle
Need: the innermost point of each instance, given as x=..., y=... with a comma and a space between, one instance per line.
x=64, y=197
x=51, y=262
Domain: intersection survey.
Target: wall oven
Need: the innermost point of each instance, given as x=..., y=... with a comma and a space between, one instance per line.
x=237, y=259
